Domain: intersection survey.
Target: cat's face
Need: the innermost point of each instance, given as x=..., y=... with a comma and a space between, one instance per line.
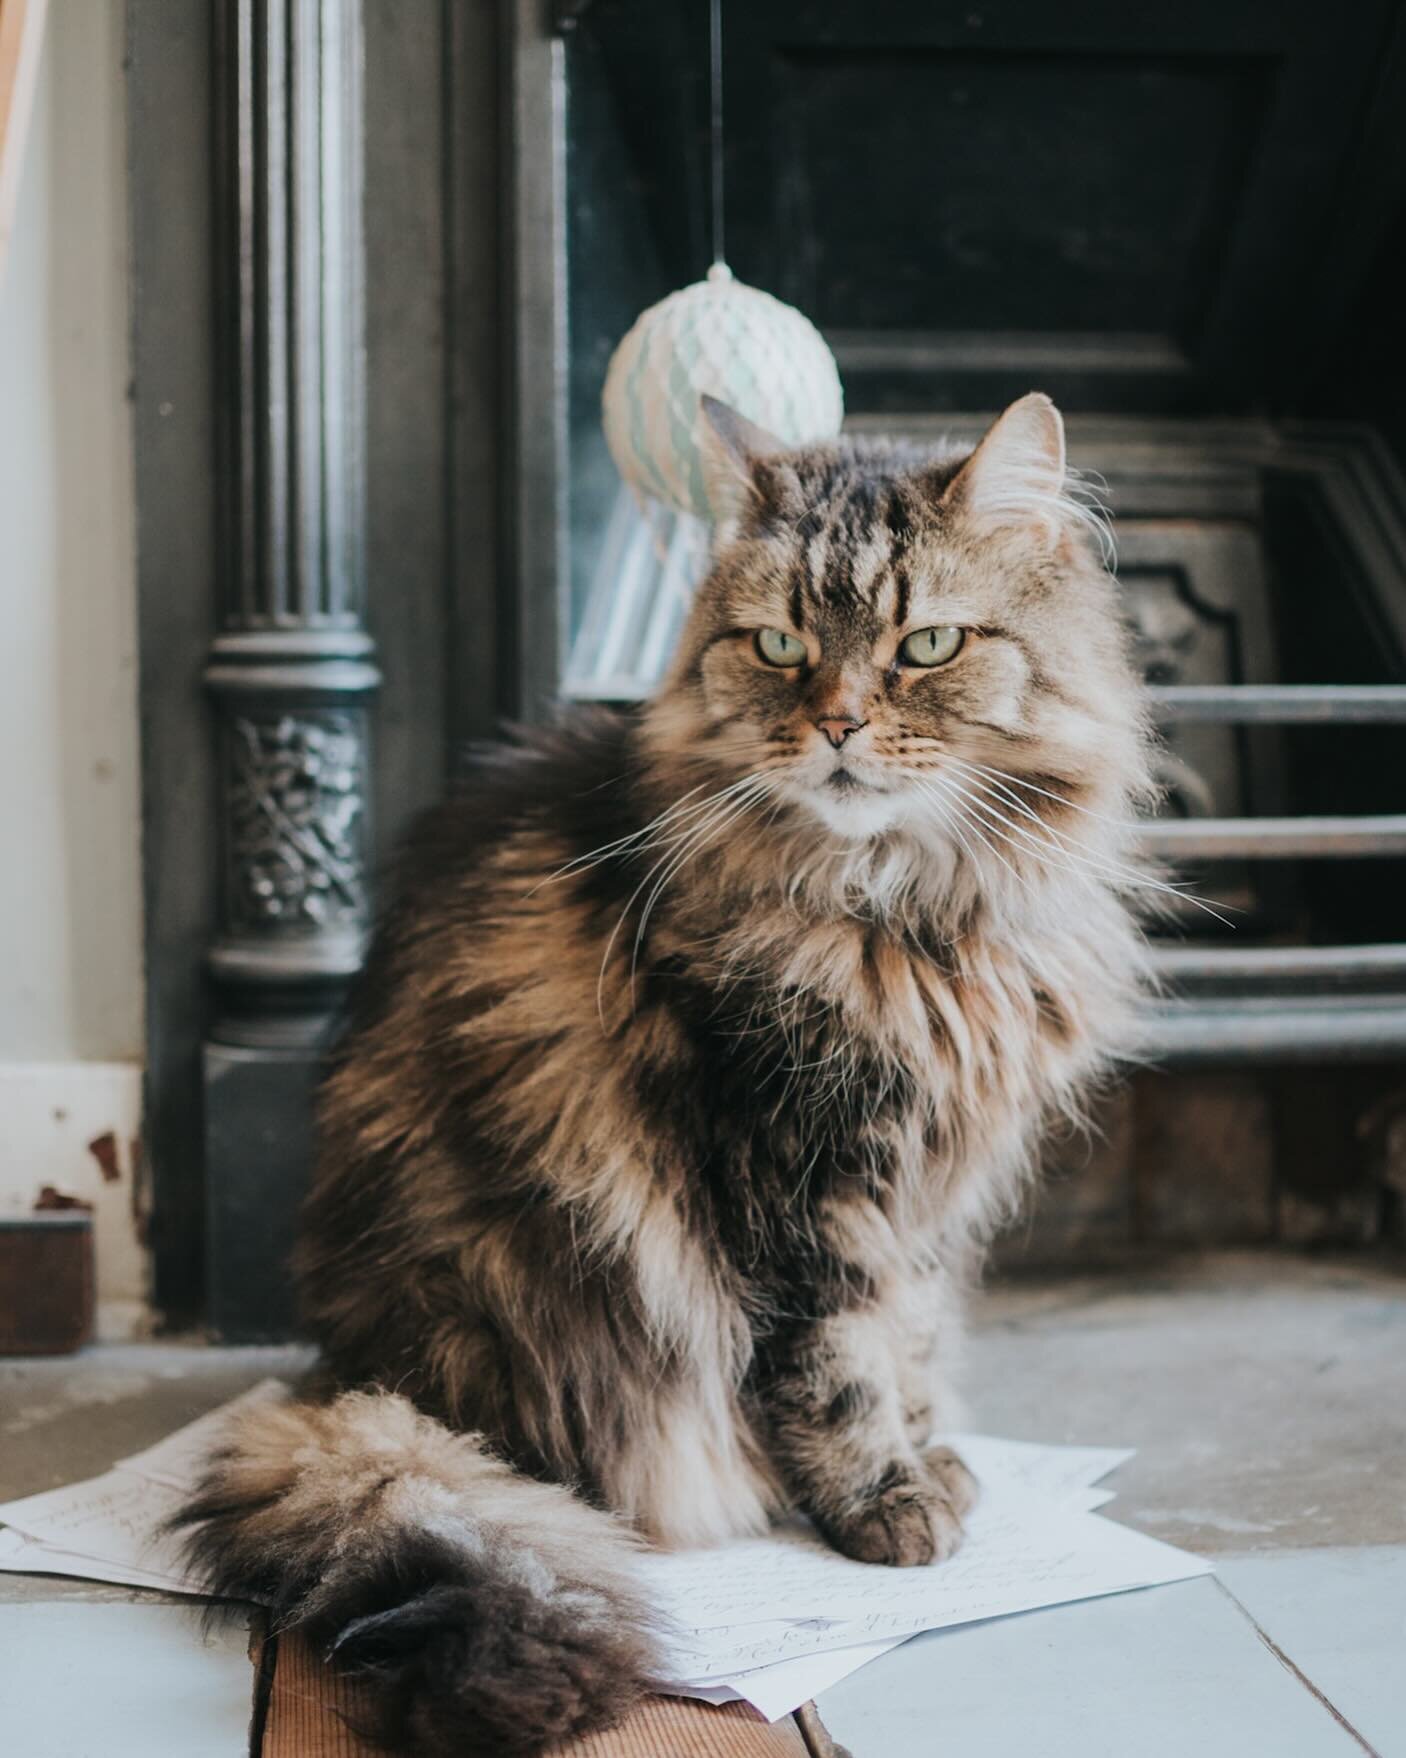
x=881, y=626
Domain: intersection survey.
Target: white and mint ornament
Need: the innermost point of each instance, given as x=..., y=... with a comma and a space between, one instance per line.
x=729, y=341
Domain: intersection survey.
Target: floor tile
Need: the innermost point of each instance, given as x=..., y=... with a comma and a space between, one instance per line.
x=1166, y=1673
x=1266, y=1394
x=121, y=1681
x=1340, y=1616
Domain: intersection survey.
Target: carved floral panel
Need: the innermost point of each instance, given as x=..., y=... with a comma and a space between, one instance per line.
x=296, y=799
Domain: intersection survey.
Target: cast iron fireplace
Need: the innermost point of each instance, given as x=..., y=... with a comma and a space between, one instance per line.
x=373, y=495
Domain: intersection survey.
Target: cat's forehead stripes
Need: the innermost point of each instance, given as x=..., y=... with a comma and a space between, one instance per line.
x=797, y=603
x=902, y=592
x=850, y=551
x=854, y=539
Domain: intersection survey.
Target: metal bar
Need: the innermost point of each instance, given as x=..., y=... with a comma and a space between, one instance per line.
x=1344, y=964
x=1281, y=704
x=1190, y=1033
x=1219, y=839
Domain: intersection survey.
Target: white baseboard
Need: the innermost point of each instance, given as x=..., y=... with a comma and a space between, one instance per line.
x=77, y=1126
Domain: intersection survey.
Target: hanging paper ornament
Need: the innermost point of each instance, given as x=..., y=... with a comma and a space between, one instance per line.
x=717, y=338
x=733, y=342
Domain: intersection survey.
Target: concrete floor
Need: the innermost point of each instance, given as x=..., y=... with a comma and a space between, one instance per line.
x=1266, y=1394
x=1267, y=1397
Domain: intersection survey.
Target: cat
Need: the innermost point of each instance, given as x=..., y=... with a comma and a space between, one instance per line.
x=699, y=1051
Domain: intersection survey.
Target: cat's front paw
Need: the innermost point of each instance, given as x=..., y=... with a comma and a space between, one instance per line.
x=948, y=1470
x=903, y=1526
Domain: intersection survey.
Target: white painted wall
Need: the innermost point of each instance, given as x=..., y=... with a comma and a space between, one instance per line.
x=70, y=874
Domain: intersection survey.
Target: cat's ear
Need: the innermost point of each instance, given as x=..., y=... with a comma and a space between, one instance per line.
x=730, y=448
x=1016, y=476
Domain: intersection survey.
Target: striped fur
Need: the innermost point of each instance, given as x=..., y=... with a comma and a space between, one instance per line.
x=694, y=1061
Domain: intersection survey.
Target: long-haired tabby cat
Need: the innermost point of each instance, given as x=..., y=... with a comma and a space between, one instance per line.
x=697, y=1054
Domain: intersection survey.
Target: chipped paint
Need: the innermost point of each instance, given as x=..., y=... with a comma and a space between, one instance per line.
x=68, y=1125
x=103, y=1148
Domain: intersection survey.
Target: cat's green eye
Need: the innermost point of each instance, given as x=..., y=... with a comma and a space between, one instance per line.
x=776, y=647
x=931, y=646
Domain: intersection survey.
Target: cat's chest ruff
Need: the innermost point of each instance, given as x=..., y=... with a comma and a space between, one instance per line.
x=988, y=1019
x=849, y=998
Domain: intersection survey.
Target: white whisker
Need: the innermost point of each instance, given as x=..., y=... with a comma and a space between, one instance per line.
x=958, y=807
x=1131, y=875
x=723, y=807
x=713, y=802
x=703, y=834
x=637, y=841
x=1042, y=847
x=1051, y=853
x=1059, y=799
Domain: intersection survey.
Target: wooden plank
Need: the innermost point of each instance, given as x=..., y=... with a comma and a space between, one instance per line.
x=679, y=1727
x=21, y=33
x=311, y=1713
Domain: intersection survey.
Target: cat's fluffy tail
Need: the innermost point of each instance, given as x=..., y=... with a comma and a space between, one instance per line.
x=484, y=1612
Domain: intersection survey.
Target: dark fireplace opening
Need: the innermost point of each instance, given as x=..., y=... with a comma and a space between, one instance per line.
x=1129, y=222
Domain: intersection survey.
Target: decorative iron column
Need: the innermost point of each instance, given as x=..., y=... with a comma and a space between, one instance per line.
x=291, y=668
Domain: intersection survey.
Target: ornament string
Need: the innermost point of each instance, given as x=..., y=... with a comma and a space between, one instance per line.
x=715, y=82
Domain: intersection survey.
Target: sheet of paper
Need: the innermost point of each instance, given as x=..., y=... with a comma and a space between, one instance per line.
x=773, y=1598
x=1059, y=1472
x=733, y=1584
x=26, y=1556
x=113, y=1519
x=778, y=1689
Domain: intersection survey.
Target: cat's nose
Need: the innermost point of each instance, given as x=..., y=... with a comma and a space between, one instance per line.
x=838, y=727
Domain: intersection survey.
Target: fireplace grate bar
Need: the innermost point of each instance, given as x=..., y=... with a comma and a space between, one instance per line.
x=1327, y=838
x=1188, y=1033
x=1317, y=967
x=1281, y=704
